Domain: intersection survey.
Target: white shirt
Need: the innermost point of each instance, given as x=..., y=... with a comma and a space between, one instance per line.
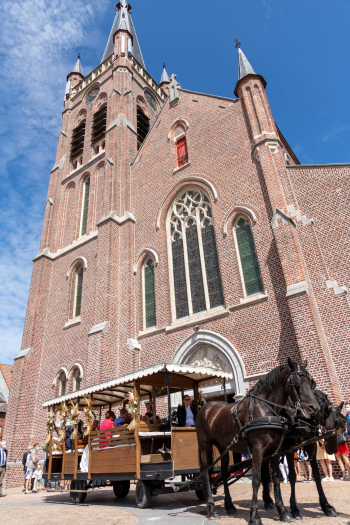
x=2, y=457
x=189, y=416
x=28, y=455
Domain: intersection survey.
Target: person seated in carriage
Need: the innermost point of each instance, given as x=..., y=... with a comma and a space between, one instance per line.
x=123, y=418
x=186, y=413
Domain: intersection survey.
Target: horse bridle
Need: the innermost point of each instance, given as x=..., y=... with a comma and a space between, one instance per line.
x=294, y=381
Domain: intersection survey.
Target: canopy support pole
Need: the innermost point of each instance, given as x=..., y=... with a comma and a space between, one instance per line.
x=154, y=405
x=137, y=427
x=167, y=381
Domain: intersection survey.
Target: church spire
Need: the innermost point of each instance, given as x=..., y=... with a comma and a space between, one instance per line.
x=244, y=68
x=165, y=76
x=123, y=20
x=77, y=68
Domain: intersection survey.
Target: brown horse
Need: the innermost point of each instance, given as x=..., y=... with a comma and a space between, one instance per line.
x=218, y=423
x=330, y=418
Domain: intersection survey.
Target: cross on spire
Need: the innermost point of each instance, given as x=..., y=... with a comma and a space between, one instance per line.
x=78, y=56
x=238, y=43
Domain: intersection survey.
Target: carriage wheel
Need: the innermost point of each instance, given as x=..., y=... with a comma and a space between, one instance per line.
x=143, y=494
x=200, y=494
x=77, y=497
x=121, y=488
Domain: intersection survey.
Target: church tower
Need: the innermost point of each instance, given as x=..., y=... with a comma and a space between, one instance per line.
x=79, y=318
x=179, y=227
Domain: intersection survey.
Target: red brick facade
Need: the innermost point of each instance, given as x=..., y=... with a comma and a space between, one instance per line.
x=237, y=157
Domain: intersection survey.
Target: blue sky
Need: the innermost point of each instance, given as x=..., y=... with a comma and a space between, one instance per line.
x=300, y=47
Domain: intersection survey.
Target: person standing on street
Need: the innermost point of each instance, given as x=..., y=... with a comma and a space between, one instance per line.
x=3, y=460
x=32, y=463
x=25, y=460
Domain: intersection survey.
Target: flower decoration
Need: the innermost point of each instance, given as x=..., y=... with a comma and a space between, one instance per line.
x=88, y=413
x=50, y=424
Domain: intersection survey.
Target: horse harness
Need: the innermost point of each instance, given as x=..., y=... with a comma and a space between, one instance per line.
x=276, y=421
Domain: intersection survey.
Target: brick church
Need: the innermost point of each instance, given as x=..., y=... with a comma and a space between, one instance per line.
x=179, y=226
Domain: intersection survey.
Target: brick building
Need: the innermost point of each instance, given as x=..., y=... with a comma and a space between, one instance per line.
x=5, y=383
x=179, y=226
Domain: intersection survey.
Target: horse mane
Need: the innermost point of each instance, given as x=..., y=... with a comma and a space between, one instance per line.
x=267, y=382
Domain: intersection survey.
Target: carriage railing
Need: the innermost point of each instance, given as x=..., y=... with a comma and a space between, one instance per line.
x=110, y=438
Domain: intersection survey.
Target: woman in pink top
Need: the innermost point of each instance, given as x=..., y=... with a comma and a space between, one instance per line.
x=107, y=423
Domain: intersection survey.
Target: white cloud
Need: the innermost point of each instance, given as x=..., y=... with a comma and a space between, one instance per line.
x=38, y=39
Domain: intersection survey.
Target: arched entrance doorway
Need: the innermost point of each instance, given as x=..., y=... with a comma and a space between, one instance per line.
x=206, y=348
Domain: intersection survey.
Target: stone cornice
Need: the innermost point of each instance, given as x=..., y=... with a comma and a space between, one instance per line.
x=272, y=140
x=96, y=158
x=79, y=242
x=208, y=95
x=112, y=216
x=307, y=166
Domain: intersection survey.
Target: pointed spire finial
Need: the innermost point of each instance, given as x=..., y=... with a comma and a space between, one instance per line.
x=77, y=68
x=244, y=68
x=238, y=43
x=165, y=76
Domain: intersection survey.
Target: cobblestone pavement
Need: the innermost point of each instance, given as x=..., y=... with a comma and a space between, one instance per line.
x=337, y=493
x=53, y=508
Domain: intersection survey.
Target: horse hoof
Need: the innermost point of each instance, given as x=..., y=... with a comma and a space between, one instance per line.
x=296, y=515
x=213, y=515
x=255, y=522
x=269, y=506
x=232, y=511
x=286, y=517
x=330, y=513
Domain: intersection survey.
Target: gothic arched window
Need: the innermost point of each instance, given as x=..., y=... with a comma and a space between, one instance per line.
x=149, y=298
x=195, y=266
x=62, y=384
x=247, y=258
x=78, y=290
x=76, y=380
x=84, y=207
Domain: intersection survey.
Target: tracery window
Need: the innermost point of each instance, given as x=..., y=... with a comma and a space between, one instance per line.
x=195, y=265
x=247, y=258
x=78, y=290
x=85, y=207
x=149, y=299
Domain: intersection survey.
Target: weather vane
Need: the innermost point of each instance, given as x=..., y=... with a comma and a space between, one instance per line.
x=164, y=65
x=238, y=44
x=79, y=56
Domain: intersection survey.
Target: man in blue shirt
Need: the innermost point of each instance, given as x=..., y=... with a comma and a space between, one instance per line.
x=347, y=409
x=3, y=460
x=121, y=420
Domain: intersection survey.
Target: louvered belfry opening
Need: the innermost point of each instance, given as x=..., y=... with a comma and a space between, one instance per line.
x=142, y=126
x=77, y=144
x=99, y=124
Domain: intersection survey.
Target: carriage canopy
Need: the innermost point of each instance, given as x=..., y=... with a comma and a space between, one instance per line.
x=112, y=392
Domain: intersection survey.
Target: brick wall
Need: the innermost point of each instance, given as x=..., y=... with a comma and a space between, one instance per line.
x=236, y=158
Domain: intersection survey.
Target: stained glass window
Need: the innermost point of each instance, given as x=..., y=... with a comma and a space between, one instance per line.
x=85, y=209
x=248, y=257
x=212, y=269
x=150, y=299
x=195, y=261
x=78, y=291
x=180, y=285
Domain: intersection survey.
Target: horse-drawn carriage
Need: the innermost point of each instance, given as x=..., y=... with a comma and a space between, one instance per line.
x=117, y=456
x=281, y=413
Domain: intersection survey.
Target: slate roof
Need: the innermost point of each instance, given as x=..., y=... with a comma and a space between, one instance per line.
x=165, y=76
x=123, y=20
x=77, y=68
x=244, y=68
x=6, y=372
